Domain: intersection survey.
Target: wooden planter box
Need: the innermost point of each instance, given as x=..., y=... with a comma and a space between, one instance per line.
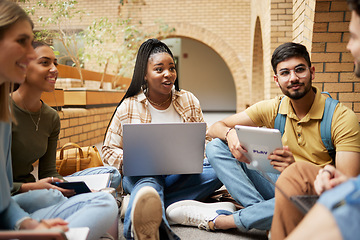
x=71, y=72
x=89, y=98
x=68, y=96
x=54, y=99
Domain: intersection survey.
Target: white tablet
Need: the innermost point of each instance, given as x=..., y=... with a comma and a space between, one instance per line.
x=259, y=142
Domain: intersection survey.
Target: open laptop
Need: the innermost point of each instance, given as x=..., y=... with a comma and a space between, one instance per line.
x=303, y=202
x=260, y=142
x=163, y=148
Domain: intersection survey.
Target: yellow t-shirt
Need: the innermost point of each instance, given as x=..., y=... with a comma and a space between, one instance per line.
x=303, y=136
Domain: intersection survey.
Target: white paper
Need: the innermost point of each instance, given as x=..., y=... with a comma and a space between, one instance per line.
x=94, y=182
x=80, y=233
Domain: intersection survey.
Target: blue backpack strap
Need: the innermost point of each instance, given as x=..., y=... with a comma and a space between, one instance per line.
x=327, y=93
x=280, y=120
x=325, y=125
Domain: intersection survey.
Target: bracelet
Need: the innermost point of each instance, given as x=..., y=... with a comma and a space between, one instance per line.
x=227, y=133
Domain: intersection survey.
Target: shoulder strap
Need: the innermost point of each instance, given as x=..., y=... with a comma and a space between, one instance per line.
x=280, y=120
x=325, y=125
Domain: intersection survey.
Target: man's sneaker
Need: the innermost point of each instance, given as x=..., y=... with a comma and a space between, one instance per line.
x=198, y=214
x=146, y=214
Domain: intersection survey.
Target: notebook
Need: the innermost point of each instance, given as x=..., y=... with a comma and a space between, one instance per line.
x=163, y=148
x=79, y=233
x=55, y=234
x=259, y=143
x=93, y=181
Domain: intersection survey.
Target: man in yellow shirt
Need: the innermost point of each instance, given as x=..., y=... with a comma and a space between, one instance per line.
x=336, y=215
x=303, y=106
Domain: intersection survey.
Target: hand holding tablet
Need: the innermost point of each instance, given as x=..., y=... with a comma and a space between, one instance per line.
x=78, y=187
x=259, y=143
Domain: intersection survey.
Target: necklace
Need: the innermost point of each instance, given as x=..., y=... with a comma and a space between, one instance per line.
x=38, y=121
x=158, y=104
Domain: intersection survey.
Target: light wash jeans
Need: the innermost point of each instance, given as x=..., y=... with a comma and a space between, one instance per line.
x=171, y=188
x=44, y=204
x=96, y=211
x=248, y=187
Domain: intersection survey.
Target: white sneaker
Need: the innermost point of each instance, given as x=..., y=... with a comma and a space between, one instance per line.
x=124, y=205
x=146, y=214
x=198, y=214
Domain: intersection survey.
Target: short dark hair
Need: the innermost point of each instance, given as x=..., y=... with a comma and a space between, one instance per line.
x=289, y=50
x=354, y=5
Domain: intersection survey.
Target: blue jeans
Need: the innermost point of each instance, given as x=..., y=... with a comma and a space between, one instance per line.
x=346, y=215
x=171, y=188
x=248, y=187
x=46, y=204
x=42, y=202
x=97, y=211
x=115, y=178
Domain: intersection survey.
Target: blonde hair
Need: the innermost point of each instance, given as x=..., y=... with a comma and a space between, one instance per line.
x=10, y=13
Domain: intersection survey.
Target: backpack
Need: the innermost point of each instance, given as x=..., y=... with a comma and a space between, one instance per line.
x=325, y=124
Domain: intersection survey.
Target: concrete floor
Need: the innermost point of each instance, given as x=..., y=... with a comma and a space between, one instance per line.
x=187, y=233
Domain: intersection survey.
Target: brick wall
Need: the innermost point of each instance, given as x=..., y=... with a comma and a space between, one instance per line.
x=230, y=28
x=333, y=63
x=281, y=31
x=257, y=83
x=221, y=25
x=303, y=12
x=261, y=24
x=84, y=126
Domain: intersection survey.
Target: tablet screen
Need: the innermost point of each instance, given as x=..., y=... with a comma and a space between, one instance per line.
x=79, y=187
x=260, y=143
